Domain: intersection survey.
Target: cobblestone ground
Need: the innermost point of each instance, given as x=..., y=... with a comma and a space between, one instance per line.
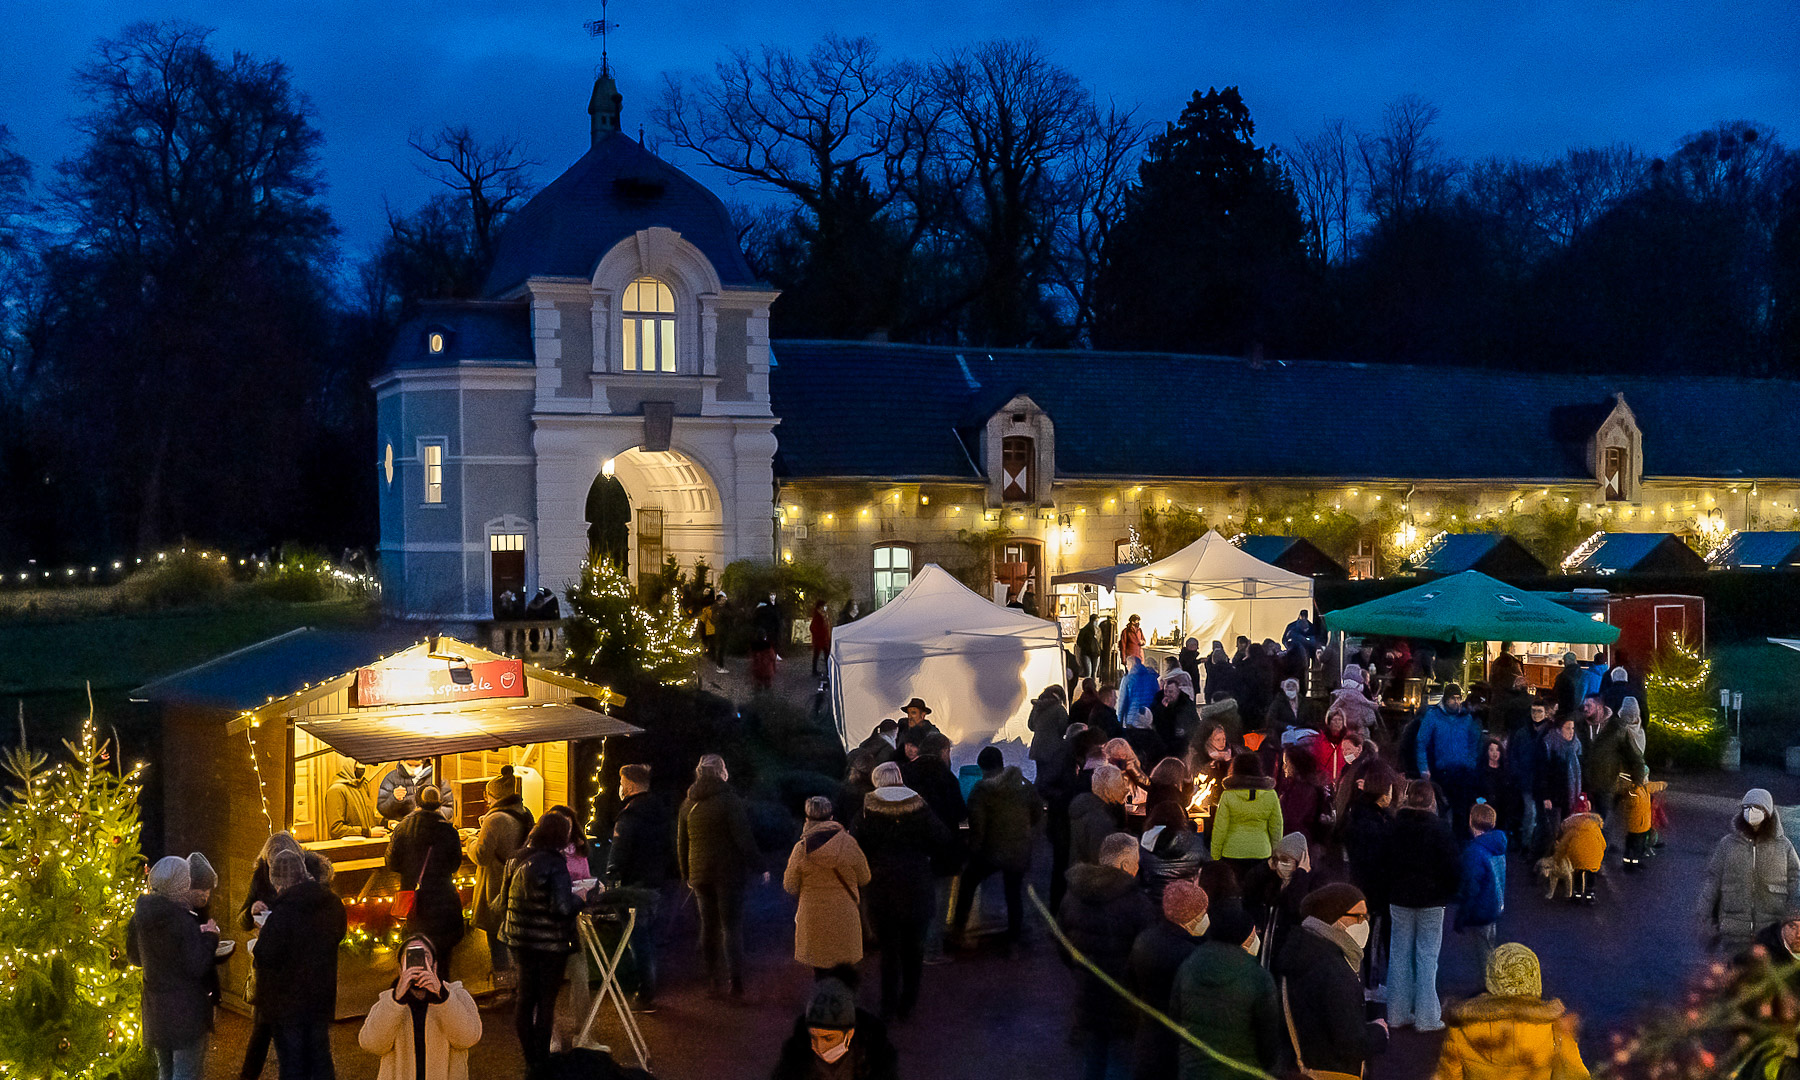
x=984, y=1018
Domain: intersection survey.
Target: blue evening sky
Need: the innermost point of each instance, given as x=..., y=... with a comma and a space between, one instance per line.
x=1528, y=77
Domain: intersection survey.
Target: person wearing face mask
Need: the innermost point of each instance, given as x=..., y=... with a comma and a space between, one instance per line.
x=1282, y=715
x=836, y=1040
x=1273, y=892
x=1156, y=955
x=348, y=809
x=1322, y=996
x=1753, y=877
x=1224, y=998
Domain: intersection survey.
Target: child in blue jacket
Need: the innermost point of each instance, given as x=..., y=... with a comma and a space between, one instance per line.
x=1483, y=894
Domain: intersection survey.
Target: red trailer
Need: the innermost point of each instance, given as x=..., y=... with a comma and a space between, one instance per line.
x=1645, y=620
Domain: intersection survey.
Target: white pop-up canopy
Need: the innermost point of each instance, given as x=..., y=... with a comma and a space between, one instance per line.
x=975, y=663
x=1214, y=591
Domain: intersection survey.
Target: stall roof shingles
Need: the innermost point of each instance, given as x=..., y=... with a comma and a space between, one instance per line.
x=1162, y=414
x=1759, y=549
x=277, y=667
x=1620, y=552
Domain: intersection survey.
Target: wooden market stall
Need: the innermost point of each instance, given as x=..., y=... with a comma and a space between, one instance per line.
x=464, y=709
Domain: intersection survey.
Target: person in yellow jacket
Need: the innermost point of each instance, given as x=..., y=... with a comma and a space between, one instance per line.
x=1635, y=810
x=1582, y=841
x=1247, y=824
x=1511, y=1032
x=448, y=1023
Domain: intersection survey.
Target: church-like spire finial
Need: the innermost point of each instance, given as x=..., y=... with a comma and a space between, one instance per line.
x=604, y=105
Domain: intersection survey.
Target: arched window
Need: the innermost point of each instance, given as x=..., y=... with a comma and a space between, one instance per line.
x=893, y=571
x=648, y=318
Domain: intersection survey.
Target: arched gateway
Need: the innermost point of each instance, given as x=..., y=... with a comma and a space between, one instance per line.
x=612, y=388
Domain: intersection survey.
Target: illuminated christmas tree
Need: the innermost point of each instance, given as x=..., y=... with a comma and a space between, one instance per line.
x=70, y=872
x=1681, y=704
x=614, y=639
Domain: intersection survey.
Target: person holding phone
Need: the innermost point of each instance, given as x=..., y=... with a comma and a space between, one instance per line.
x=423, y=1027
x=176, y=952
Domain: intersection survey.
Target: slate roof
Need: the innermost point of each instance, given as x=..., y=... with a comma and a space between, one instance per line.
x=1758, y=549
x=1266, y=548
x=475, y=331
x=1452, y=553
x=276, y=667
x=1146, y=415
x=1620, y=552
x=617, y=188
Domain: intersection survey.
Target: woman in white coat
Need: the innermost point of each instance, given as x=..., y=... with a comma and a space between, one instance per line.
x=418, y=1002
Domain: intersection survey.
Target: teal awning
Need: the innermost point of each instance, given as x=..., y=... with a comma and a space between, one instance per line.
x=1471, y=606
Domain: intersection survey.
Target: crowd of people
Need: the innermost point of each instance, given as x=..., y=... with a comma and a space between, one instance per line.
x=1274, y=879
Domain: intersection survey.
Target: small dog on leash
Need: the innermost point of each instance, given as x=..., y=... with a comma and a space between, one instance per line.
x=1557, y=873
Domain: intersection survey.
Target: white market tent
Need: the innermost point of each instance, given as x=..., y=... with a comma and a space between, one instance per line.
x=977, y=664
x=1214, y=591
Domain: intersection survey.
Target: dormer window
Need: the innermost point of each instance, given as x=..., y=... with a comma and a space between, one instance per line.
x=434, y=342
x=648, y=319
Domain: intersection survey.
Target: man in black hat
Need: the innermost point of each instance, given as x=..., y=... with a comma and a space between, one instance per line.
x=916, y=726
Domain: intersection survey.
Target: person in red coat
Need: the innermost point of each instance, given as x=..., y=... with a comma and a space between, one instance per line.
x=821, y=633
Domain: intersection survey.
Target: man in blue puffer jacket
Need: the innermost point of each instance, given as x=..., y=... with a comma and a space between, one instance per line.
x=1448, y=745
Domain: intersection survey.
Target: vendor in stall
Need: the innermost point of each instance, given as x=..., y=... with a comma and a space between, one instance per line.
x=348, y=809
x=400, y=788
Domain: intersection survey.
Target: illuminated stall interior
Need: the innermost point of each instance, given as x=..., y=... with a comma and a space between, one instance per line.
x=465, y=710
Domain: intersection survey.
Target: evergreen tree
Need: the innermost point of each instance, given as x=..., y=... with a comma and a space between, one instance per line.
x=70, y=873
x=1210, y=255
x=1682, y=708
x=615, y=639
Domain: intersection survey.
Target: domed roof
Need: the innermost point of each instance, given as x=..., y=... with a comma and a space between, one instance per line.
x=615, y=190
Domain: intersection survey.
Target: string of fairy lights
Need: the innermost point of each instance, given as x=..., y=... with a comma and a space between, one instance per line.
x=110, y=571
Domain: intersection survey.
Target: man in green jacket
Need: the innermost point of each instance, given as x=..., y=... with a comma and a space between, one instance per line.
x=1224, y=998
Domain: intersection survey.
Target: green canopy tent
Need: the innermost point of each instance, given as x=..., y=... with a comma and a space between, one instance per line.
x=1471, y=606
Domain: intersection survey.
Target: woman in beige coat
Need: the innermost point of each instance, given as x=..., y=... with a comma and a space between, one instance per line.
x=451, y=1023
x=827, y=871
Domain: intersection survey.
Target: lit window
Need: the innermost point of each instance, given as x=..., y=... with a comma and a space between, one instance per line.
x=433, y=456
x=434, y=342
x=649, y=322
x=893, y=570
x=506, y=542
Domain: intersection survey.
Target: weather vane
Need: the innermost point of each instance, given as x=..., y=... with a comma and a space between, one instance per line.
x=599, y=28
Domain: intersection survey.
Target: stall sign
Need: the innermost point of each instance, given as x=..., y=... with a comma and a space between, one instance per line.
x=437, y=685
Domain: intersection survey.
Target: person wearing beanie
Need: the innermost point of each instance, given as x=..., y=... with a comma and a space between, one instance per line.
x=1318, y=971
x=424, y=852
x=718, y=856
x=1097, y=813
x=501, y=835
x=296, y=962
x=828, y=872
x=176, y=952
x=1224, y=998
x=1156, y=955
x=1273, y=890
x=1247, y=824
x=1753, y=877
x=1511, y=1030
x=899, y=836
x=1103, y=912
x=835, y=1039
x=928, y=772
x=1631, y=718
x=1004, y=814
x=202, y=880
x=1447, y=750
